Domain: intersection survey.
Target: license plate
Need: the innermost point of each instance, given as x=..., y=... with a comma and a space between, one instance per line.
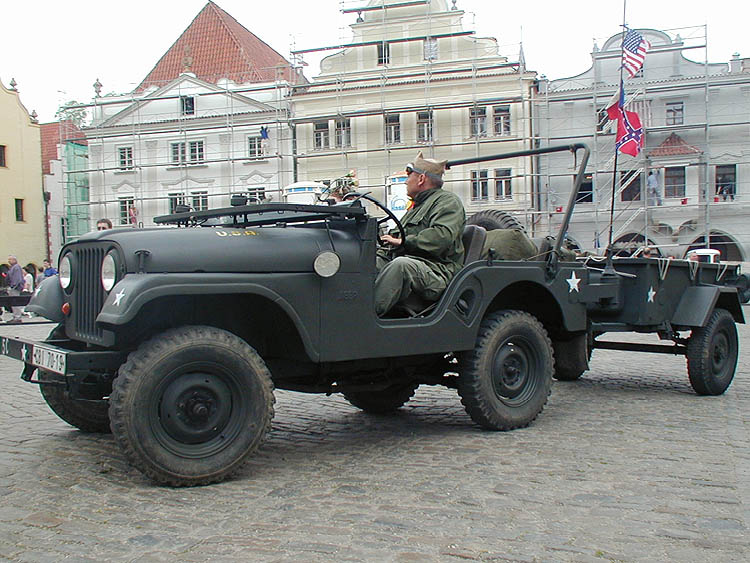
x=51, y=360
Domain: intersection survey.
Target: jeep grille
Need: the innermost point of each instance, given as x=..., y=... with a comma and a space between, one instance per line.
x=88, y=294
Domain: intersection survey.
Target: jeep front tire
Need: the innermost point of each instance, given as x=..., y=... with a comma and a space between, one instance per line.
x=190, y=405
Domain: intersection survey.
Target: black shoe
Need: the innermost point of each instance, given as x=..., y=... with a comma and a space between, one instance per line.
x=14, y=322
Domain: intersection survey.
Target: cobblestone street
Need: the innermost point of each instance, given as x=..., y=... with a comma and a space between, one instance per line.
x=626, y=464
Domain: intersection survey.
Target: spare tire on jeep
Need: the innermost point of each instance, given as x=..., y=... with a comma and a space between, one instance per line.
x=492, y=219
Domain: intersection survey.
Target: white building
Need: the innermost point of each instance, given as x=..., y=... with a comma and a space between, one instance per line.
x=696, y=120
x=413, y=79
x=210, y=120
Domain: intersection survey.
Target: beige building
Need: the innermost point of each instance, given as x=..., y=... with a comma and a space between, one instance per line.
x=413, y=79
x=22, y=208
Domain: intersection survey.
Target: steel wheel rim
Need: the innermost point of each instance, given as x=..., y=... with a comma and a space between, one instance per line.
x=720, y=353
x=198, y=410
x=513, y=370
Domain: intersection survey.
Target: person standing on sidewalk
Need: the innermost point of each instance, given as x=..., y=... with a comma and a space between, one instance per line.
x=16, y=283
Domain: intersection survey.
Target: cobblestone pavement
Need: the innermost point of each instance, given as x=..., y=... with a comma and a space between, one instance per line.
x=626, y=464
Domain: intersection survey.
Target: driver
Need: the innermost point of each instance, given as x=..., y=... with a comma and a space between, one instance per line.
x=432, y=251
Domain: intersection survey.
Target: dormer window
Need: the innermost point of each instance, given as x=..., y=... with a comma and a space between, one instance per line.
x=187, y=105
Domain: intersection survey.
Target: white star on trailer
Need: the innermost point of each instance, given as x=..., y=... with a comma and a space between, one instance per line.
x=118, y=297
x=651, y=294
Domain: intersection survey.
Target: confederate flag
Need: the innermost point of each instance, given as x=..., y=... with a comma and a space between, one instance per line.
x=629, y=138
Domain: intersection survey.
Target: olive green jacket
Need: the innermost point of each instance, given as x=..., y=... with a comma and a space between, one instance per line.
x=434, y=227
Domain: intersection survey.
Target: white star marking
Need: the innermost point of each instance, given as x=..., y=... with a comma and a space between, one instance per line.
x=651, y=294
x=24, y=352
x=119, y=296
x=573, y=282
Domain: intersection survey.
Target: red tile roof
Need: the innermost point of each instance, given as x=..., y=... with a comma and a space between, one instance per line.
x=674, y=145
x=51, y=134
x=216, y=46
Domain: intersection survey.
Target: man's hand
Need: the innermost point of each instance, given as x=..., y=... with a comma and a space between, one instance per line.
x=388, y=239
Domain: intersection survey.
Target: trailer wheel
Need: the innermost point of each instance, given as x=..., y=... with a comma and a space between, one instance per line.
x=87, y=416
x=505, y=381
x=712, y=354
x=382, y=400
x=190, y=405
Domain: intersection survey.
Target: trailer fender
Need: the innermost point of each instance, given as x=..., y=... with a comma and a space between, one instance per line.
x=698, y=302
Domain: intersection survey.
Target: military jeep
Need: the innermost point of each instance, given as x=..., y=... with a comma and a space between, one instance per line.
x=175, y=337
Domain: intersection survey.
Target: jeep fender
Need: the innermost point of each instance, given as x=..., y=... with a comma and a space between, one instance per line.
x=131, y=293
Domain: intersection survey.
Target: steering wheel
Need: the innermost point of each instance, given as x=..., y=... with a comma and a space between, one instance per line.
x=389, y=215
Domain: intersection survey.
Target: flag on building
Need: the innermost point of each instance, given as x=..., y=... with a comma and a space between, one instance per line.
x=629, y=139
x=634, y=48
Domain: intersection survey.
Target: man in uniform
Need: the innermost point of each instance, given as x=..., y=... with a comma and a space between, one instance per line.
x=432, y=252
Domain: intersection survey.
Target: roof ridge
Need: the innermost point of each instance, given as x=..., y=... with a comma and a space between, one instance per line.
x=220, y=13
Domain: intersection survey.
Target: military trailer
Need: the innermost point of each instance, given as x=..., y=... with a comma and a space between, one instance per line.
x=174, y=338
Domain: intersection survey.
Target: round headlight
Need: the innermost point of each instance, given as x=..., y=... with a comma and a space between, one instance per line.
x=66, y=272
x=327, y=264
x=109, y=272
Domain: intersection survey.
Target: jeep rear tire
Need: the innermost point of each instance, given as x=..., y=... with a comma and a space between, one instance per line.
x=712, y=354
x=190, y=405
x=87, y=416
x=383, y=400
x=505, y=381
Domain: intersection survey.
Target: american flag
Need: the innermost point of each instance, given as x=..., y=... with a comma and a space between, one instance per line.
x=634, y=48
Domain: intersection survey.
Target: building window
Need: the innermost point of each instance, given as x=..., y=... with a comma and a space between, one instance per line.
x=503, y=188
x=586, y=191
x=254, y=147
x=256, y=195
x=63, y=229
x=384, y=53
x=502, y=120
x=125, y=157
x=321, y=134
x=632, y=186
x=127, y=211
x=424, y=126
x=2, y=157
x=479, y=185
x=187, y=105
x=431, y=49
x=675, y=113
x=726, y=181
x=200, y=201
x=478, y=118
x=188, y=153
x=674, y=181
x=19, y=210
x=343, y=133
x=174, y=201
x=392, y=129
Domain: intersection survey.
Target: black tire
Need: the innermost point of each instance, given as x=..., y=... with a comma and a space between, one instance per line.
x=190, y=405
x=743, y=289
x=712, y=354
x=505, y=381
x=492, y=219
x=568, y=366
x=383, y=400
x=87, y=416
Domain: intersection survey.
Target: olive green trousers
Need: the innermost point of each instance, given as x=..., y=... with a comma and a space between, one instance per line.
x=400, y=277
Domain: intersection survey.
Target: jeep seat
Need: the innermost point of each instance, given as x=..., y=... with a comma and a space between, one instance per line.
x=473, y=239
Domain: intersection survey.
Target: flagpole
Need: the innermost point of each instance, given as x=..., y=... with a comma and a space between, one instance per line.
x=614, y=168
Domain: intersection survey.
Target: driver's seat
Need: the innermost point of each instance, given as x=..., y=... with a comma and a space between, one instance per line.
x=473, y=240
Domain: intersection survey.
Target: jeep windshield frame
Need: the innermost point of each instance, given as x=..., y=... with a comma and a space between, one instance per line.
x=264, y=214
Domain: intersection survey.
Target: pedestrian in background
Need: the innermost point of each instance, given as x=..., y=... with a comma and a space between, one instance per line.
x=49, y=270
x=29, y=283
x=16, y=283
x=103, y=224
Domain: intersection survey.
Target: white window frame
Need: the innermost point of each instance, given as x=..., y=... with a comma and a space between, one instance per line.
x=255, y=146
x=343, y=129
x=675, y=113
x=478, y=121
x=430, y=49
x=125, y=157
x=175, y=199
x=125, y=204
x=424, y=126
x=187, y=105
x=321, y=135
x=188, y=152
x=199, y=200
x=503, y=183
x=392, y=122
x=501, y=120
x=480, y=185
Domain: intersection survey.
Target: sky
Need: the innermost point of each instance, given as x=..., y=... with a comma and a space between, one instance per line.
x=56, y=50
